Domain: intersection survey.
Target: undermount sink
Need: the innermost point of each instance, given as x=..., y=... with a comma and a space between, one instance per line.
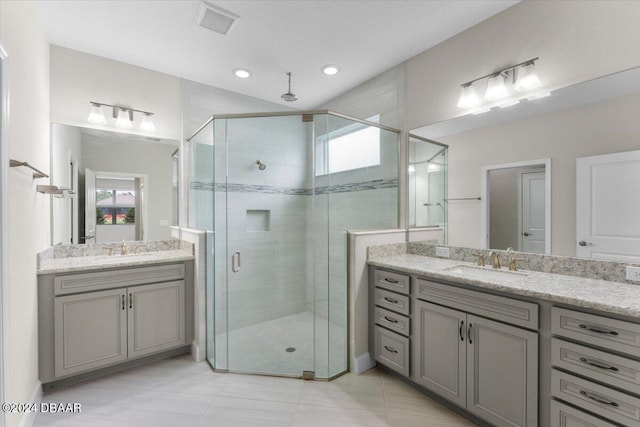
x=117, y=258
x=486, y=273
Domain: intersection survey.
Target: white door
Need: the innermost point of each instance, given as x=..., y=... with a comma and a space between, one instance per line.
x=608, y=207
x=532, y=233
x=90, y=206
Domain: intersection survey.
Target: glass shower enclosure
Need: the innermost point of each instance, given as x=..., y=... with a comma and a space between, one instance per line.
x=276, y=193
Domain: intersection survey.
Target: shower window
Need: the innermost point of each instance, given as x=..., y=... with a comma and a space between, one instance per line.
x=353, y=147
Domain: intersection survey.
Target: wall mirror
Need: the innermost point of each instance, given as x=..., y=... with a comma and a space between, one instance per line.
x=427, y=184
x=578, y=122
x=116, y=186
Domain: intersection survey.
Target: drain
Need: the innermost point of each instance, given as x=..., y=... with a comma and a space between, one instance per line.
x=290, y=349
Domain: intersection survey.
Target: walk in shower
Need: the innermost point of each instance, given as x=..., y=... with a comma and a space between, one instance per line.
x=277, y=193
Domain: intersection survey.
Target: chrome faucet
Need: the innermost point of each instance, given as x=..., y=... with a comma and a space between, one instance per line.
x=123, y=248
x=494, y=257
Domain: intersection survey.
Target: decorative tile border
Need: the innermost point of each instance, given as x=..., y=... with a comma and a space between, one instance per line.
x=569, y=266
x=375, y=184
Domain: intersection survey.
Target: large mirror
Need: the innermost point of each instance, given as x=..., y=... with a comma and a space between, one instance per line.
x=535, y=151
x=116, y=186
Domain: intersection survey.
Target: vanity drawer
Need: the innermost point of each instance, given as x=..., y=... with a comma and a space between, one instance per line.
x=392, y=350
x=614, y=405
x=602, y=331
x=567, y=416
x=608, y=368
x=394, y=281
x=392, y=301
x=117, y=278
x=508, y=310
x=391, y=320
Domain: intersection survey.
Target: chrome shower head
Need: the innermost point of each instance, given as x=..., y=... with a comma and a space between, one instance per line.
x=289, y=97
x=261, y=165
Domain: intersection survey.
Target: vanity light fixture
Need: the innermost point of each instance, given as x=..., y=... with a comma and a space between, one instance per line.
x=330, y=69
x=497, y=87
x=123, y=116
x=242, y=73
x=505, y=87
x=469, y=96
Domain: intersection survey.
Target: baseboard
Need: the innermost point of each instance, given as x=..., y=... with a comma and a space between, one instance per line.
x=28, y=418
x=363, y=363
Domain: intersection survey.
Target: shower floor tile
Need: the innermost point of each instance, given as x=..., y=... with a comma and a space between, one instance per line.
x=178, y=392
x=262, y=348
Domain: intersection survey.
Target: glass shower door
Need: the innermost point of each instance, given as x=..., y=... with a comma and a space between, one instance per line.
x=269, y=297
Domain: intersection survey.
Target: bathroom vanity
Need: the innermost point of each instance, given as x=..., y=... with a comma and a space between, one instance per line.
x=100, y=313
x=509, y=348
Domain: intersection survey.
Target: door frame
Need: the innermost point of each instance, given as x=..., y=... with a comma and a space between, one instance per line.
x=4, y=228
x=485, y=215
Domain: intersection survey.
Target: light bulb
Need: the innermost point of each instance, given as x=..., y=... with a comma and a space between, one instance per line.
x=527, y=78
x=97, y=115
x=243, y=73
x=147, y=124
x=123, y=120
x=468, y=97
x=331, y=70
x=412, y=169
x=496, y=88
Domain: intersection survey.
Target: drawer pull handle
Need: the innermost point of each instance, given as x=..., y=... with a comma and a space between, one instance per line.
x=597, y=330
x=392, y=301
x=390, y=349
x=130, y=300
x=460, y=330
x=390, y=319
x=470, y=332
x=390, y=280
x=123, y=297
x=598, y=365
x=598, y=399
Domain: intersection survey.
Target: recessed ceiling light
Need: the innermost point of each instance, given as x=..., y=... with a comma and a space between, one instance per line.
x=331, y=70
x=243, y=73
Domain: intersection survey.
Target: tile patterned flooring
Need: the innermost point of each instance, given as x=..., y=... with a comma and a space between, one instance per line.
x=178, y=392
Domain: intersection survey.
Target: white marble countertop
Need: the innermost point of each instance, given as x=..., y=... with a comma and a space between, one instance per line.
x=82, y=263
x=602, y=295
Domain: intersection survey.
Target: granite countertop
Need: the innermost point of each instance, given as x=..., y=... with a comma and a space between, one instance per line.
x=602, y=295
x=82, y=263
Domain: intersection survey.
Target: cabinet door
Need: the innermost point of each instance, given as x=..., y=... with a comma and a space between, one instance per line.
x=502, y=373
x=439, y=353
x=90, y=331
x=156, y=317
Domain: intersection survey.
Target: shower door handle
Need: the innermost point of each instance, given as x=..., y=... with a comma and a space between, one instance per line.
x=235, y=261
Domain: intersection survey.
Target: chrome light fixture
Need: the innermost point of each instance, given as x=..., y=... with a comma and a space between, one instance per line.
x=527, y=78
x=289, y=97
x=497, y=87
x=469, y=97
x=122, y=115
x=505, y=87
x=97, y=115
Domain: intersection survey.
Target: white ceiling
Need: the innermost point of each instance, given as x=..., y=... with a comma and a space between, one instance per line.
x=364, y=37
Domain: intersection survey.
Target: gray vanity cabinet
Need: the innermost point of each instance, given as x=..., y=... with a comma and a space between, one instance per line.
x=502, y=373
x=440, y=350
x=90, y=320
x=90, y=331
x=156, y=318
x=487, y=367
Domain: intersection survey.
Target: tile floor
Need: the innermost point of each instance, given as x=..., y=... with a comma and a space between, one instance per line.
x=179, y=392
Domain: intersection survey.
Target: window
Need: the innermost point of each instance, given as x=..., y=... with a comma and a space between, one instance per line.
x=352, y=147
x=115, y=206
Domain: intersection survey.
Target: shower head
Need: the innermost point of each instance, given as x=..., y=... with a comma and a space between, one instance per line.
x=261, y=165
x=289, y=97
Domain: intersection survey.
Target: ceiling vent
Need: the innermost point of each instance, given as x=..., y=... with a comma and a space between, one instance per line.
x=215, y=18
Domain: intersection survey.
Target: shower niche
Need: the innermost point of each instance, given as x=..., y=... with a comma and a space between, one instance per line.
x=277, y=235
